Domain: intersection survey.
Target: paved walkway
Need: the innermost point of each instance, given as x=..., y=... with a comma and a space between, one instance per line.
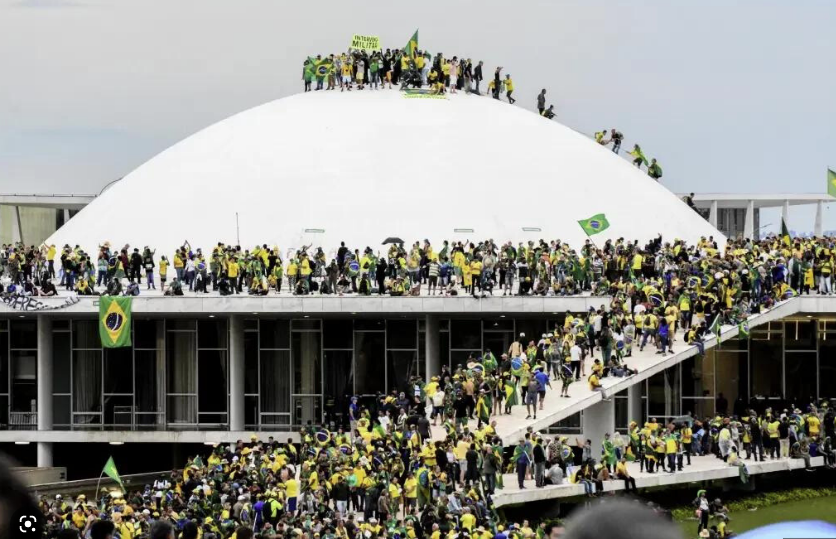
x=706, y=468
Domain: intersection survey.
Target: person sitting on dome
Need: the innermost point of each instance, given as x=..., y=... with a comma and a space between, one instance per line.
x=549, y=112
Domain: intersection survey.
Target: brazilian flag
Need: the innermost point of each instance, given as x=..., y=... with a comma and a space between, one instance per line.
x=510, y=394
x=743, y=330
x=595, y=224
x=115, y=321
x=412, y=47
x=323, y=67
x=482, y=410
x=831, y=177
x=785, y=233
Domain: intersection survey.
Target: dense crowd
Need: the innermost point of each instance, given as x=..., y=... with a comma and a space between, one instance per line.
x=386, y=475
x=743, y=277
x=375, y=70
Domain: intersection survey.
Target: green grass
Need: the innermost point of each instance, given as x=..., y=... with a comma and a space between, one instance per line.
x=741, y=520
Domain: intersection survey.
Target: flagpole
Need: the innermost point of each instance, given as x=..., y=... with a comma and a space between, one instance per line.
x=99, y=482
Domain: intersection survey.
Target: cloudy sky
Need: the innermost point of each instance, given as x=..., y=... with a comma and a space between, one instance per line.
x=733, y=96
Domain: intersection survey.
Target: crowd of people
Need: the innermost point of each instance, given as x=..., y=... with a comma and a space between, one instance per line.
x=683, y=282
x=385, y=474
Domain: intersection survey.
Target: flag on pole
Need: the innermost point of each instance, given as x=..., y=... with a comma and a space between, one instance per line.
x=595, y=224
x=110, y=471
x=831, y=183
x=716, y=326
x=115, y=321
x=412, y=46
x=785, y=233
x=743, y=330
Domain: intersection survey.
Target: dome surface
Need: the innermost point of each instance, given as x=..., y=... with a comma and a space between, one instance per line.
x=362, y=166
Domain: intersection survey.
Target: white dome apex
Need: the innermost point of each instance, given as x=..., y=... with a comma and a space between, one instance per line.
x=361, y=166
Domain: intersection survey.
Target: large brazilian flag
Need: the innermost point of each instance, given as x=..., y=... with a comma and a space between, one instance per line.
x=595, y=224
x=115, y=321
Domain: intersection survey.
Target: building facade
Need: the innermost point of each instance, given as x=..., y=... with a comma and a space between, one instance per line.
x=206, y=378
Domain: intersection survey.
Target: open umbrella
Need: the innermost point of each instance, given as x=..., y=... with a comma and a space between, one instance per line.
x=393, y=240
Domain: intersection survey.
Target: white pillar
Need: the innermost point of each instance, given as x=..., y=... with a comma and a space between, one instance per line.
x=236, y=373
x=44, y=380
x=817, y=227
x=712, y=214
x=749, y=223
x=66, y=216
x=635, y=408
x=17, y=227
x=432, y=361
x=44, y=454
x=598, y=419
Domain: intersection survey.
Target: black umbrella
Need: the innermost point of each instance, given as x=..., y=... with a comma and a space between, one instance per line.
x=393, y=240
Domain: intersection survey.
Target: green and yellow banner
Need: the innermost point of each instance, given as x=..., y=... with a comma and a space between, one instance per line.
x=365, y=43
x=595, y=224
x=831, y=183
x=115, y=321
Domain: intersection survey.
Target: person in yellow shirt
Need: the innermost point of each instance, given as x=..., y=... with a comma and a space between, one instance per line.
x=345, y=82
x=410, y=491
x=292, y=492
x=509, y=89
x=476, y=275
x=468, y=520
x=232, y=272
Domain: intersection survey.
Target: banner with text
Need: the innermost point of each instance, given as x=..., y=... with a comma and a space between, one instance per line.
x=366, y=43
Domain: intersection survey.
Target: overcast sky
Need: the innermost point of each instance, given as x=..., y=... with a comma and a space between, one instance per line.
x=733, y=96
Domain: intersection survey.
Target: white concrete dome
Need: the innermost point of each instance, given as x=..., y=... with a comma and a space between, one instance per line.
x=360, y=166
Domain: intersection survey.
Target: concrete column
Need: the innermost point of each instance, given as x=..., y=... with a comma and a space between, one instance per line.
x=44, y=379
x=66, y=216
x=749, y=224
x=17, y=226
x=432, y=359
x=44, y=454
x=785, y=213
x=817, y=227
x=712, y=214
x=635, y=408
x=236, y=373
x=598, y=419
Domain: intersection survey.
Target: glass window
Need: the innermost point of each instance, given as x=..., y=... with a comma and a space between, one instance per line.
x=60, y=363
x=306, y=323
x=250, y=363
x=622, y=419
x=732, y=379
x=338, y=333
x=569, y=425
x=339, y=385
x=118, y=370
x=87, y=381
x=827, y=369
x=766, y=368
x=181, y=409
x=86, y=334
x=4, y=362
x=213, y=376
x=663, y=393
x=401, y=334
x=466, y=334
x=369, y=358
x=801, y=371
x=181, y=364
x=275, y=381
x=4, y=412
x=369, y=324
x=801, y=335
x=444, y=348
x=307, y=362
x=24, y=390
x=307, y=410
x=148, y=333
x=698, y=408
x=180, y=324
x=698, y=375
x=499, y=324
x=251, y=412
x=462, y=357
x=400, y=367
x=61, y=411
x=274, y=333
x=498, y=342
x=149, y=369
x=118, y=411
x=211, y=333
x=24, y=333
